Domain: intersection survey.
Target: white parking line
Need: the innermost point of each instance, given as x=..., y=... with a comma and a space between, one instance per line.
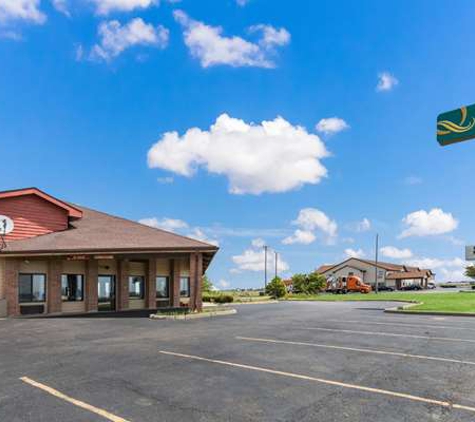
x=372, y=333
x=104, y=413
x=355, y=349
x=395, y=394
x=400, y=324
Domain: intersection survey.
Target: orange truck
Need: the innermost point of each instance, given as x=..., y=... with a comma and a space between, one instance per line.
x=344, y=285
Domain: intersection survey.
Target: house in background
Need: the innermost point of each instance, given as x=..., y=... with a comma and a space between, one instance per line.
x=64, y=258
x=390, y=275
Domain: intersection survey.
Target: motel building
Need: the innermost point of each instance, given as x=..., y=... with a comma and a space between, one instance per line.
x=60, y=258
x=390, y=275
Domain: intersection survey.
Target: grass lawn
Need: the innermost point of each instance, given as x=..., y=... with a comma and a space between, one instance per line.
x=436, y=302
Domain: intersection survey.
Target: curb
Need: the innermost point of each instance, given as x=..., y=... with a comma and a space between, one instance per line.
x=406, y=309
x=262, y=302
x=194, y=316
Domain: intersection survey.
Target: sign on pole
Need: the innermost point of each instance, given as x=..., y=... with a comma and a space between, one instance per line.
x=469, y=253
x=456, y=125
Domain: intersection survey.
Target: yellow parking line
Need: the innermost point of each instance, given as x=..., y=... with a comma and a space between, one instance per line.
x=372, y=333
x=104, y=413
x=401, y=324
x=396, y=394
x=356, y=349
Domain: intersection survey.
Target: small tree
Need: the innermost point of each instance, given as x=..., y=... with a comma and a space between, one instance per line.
x=299, y=283
x=276, y=288
x=316, y=283
x=470, y=271
x=207, y=286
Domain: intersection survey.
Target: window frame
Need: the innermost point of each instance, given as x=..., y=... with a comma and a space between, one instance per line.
x=167, y=279
x=188, y=293
x=83, y=280
x=31, y=275
x=142, y=295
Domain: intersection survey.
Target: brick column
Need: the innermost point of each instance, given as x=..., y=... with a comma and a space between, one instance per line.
x=122, y=288
x=91, y=285
x=53, y=287
x=150, y=284
x=199, y=282
x=11, y=286
x=175, y=282
x=193, y=280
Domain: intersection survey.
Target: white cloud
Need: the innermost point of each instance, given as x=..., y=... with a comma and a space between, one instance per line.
x=253, y=259
x=242, y=3
x=21, y=10
x=224, y=284
x=445, y=269
x=412, y=180
x=423, y=223
x=386, y=82
x=395, y=253
x=303, y=237
x=211, y=48
x=435, y=263
x=116, y=38
x=363, y=226
x=273, y=156
x=354, y=253
x=314, y=219
x=104, y=7
x=199, y=234
x=169, y=224
x=258, y=243
x=62, y=6
x=331, y=125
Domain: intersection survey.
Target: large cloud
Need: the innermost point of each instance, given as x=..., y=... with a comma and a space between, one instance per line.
x=446, y=269
x=116, y=38
x=253, y=259
x=211, y=48
x=24, y=10
x=309, y=221
x=103, y=7
x=354, y=253
x=395, y=253
x=273, y=156
x=423, y=223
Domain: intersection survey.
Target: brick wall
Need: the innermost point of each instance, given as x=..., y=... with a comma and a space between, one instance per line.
x=11, y=286
x=53, y=287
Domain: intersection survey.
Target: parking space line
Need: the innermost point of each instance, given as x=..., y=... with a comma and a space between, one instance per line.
x=104, y=413
x=356, y=349
x=403, y=324
x=372, y=333
x=379, y=391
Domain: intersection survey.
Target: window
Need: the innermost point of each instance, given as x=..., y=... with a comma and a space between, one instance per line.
x=185, y=286
x=136, y=287
x=31, y=288
x=72, y=287
x=163, y=287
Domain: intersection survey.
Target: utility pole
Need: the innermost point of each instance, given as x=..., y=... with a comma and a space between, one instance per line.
x=376, y=266
x=265, y=265
x=276, y=260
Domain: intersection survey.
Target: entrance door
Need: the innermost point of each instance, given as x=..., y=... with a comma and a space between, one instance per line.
x=106, y=292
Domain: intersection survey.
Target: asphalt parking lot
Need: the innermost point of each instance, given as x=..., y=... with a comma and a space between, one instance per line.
x=281, y=362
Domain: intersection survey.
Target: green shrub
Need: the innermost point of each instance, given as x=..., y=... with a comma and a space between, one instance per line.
x=223, y=298
x=308, y=284
x=207, y=297
x=276, y=288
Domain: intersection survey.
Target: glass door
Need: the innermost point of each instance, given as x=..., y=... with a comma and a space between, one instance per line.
x=106, y=292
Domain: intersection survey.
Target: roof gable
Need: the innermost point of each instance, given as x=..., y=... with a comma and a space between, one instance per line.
x=72, y=211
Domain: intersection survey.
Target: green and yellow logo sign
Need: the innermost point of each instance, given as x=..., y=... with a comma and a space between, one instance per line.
x=456, y=125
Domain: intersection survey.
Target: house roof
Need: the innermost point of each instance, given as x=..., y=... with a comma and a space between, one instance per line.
x=398, y=275
x=73, y=211
x=385, y=265
x=100, y=232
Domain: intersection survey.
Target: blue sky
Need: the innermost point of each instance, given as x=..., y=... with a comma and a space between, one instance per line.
x=88, y=87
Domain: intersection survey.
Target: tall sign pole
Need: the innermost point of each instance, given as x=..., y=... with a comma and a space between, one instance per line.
x=376, y=265
x=265, y=265
x=276, y=260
